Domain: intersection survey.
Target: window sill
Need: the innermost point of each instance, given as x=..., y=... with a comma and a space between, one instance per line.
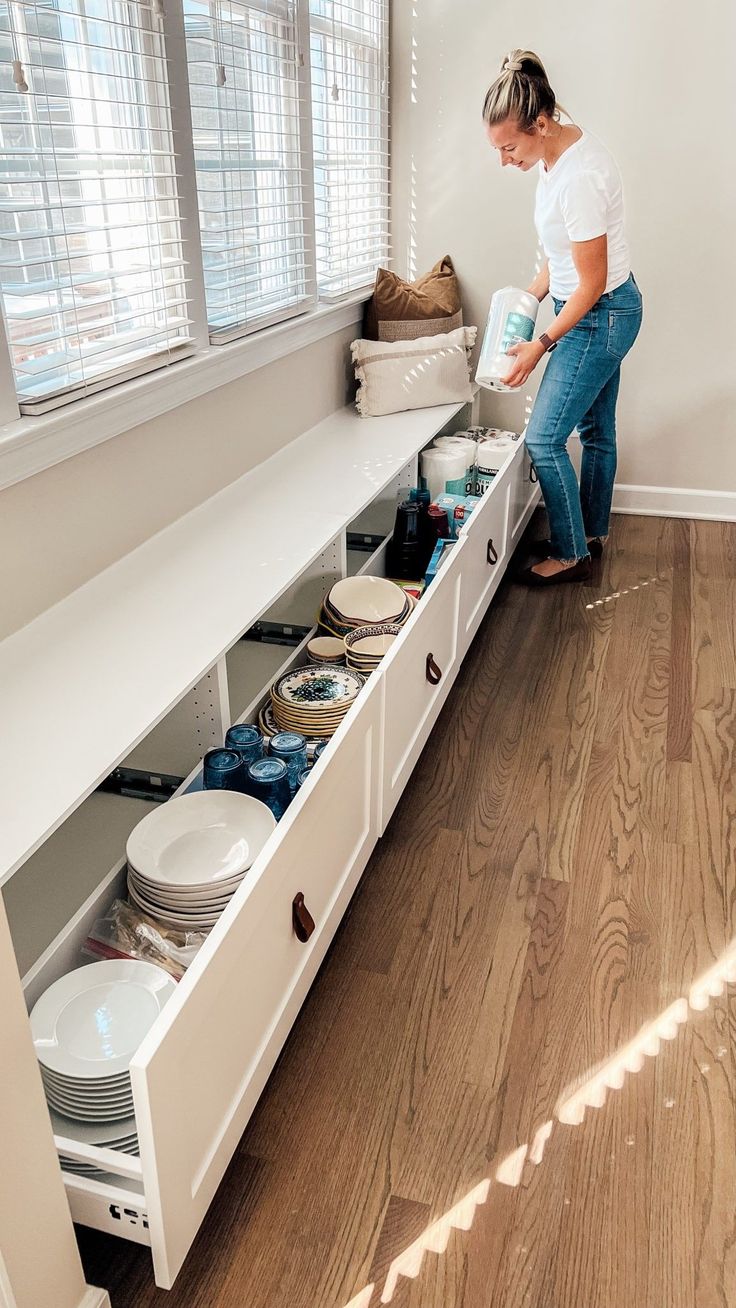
x=29, y=445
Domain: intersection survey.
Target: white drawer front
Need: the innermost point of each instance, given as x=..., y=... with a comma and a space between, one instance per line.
x=485, y=555
x=199, y=1074
x=525, y=494
x=415, y=687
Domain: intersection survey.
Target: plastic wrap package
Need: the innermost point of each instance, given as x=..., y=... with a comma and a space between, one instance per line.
x=126, y=932
x=511, y=319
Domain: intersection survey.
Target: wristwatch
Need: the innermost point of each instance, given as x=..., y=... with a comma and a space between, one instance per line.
x=547, y=343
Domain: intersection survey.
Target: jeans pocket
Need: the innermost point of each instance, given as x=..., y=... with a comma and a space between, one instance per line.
x=623, y=329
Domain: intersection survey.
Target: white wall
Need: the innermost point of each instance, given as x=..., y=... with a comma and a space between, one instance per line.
x=39, y=1264
x=654, y=81
x=66, y=524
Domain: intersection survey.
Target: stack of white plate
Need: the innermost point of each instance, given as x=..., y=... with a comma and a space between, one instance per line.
x=86, y=1028
x=120, y=1135
x=187, y=857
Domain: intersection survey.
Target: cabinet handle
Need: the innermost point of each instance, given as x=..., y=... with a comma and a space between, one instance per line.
x=533, y=473
x=492, y=552
x=434, y=674
x=302, y=919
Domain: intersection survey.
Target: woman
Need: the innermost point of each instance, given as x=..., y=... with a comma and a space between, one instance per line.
x=579, y=216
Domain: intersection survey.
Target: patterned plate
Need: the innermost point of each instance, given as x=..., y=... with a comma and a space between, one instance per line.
x=318, y=685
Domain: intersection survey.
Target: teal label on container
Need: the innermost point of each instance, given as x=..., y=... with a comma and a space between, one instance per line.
x=455, y=486
x=518, y=328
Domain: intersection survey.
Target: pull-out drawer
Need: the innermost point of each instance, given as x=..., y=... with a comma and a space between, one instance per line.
x=525, y=494
x=418, y=674
x=485, y=554
x=199, y=1073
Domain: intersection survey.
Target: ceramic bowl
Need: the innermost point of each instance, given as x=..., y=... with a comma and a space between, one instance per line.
x=367, y=599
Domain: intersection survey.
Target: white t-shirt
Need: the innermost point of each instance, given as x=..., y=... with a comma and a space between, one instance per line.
x=579, y=198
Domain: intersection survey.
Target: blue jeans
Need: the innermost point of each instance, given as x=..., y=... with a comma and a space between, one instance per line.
x=580, y=389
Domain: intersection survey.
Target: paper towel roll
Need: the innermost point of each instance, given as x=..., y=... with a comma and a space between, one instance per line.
x=511, y=319
x=463, y=444
x=443, y=471
x=459, y=441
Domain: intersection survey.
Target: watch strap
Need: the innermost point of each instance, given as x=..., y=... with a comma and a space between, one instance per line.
x=547, y=343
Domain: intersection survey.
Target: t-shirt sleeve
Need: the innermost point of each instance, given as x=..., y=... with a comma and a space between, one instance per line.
x=584, y=207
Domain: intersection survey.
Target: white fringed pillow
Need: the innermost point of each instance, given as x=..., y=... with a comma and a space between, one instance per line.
x=398, y=375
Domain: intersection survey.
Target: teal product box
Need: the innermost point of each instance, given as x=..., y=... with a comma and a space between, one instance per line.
x=439, y=556
x=458, y=509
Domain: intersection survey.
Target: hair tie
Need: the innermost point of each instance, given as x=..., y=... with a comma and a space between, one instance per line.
x=512, y=66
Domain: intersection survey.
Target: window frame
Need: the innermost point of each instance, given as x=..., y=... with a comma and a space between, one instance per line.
x=28, y=444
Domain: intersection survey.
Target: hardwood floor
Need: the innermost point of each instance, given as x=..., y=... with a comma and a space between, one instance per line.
x=497, y=1094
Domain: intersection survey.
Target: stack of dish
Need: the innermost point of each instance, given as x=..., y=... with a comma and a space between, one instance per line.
x=270, y=727
x=366, y=647
x=314, y=700
x=187, y=857
x=363, y=601
x=120, y=1135
x=326, y=649
x=86, y=1028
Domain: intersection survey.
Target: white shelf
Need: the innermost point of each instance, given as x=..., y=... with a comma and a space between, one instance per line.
x=251, y=668
x=57, y=879
x=84, y=682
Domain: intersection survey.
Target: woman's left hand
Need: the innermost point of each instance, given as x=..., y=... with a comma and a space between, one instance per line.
x=526, y=357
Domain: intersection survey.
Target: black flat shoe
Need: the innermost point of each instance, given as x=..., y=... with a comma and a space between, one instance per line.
x=543, y=548
x=579, y=571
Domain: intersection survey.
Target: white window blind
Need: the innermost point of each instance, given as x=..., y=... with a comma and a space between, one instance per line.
x=247, y=124
x=349, y=56
x=91, y=264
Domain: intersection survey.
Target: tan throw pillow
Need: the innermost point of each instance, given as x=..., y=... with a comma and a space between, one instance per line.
x=400, y=310
x=413, y=374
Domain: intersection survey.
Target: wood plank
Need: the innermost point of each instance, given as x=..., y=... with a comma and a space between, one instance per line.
x=552, y=883
x=679, y=723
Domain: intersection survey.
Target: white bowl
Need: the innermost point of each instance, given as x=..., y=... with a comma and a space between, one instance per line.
x=368, y=599
x=324, y=648
x=200, y=839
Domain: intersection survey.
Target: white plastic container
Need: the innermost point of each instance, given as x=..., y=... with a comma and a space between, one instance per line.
x=444, y=471
x=511, y=319
x=493, y=450
x=460, y=443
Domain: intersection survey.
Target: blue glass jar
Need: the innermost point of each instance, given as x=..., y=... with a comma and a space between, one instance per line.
x=320, y=748
x=292, y=748
x=268, y=780
x=246, y=740
x=223, y=769
x=302, y=777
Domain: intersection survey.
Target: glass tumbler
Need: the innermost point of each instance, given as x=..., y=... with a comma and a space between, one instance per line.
x=247, y=741
x=292, y=748
x=268, y=781
x=223, y=769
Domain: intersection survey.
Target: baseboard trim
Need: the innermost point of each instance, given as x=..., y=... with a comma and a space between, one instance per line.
x=674, y=502
x=95, y=1298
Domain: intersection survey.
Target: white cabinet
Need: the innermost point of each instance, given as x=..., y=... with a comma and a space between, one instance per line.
x=525, y=494
x=418, y=674
x=486, y=549
x=198, y=1076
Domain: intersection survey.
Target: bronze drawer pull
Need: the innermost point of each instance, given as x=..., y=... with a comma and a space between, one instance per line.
x=302, y=919
x=533, y=477
x=434, y=674
x=492, y=554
